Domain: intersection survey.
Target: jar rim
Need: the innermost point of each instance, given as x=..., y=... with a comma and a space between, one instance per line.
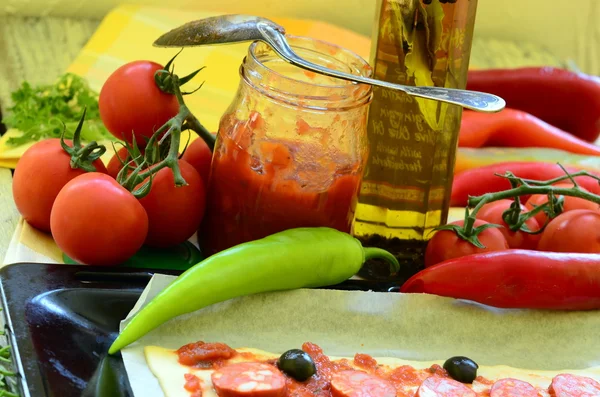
x=356, y=64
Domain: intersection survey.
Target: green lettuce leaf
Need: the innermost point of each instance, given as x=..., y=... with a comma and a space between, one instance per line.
x=39, y=112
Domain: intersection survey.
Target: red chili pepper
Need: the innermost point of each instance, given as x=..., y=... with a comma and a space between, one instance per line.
x=565, y=99
x=515, y=128
x=482, y=180
x=516, y=279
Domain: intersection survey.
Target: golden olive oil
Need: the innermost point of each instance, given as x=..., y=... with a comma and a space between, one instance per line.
x=407, y=183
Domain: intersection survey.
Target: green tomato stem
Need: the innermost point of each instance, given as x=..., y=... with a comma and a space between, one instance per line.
x=173, y=131
x=194, y=124
x=167, y=137
x=480, y=201
x=521, y=187
x=190, y=120
x=82, y=156
x=529, y=187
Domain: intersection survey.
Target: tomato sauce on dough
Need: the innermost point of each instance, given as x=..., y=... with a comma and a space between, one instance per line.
x=360, y=377
x=204, y=355
x=193, y=384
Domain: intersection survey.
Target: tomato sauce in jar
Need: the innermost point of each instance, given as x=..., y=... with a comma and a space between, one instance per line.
x=290, y=150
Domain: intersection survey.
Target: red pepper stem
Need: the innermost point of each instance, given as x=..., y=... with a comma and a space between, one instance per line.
x=378, y=253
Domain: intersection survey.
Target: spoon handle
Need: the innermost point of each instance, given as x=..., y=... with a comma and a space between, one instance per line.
x=474, y=100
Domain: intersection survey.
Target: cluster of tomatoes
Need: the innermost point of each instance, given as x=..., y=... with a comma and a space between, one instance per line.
x=94, y=219
x=576, y=228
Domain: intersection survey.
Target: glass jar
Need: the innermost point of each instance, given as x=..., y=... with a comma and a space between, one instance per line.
x=291, y=147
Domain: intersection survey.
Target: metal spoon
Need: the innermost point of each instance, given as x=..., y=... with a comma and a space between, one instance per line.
x=238, y=28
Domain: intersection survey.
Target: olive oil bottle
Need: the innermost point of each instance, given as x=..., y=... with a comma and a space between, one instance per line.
x=406, y=187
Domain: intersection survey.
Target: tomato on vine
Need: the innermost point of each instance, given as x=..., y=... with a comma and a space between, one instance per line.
x=158, y=199
x=451, y=241
x=96, y=221
x=174, y=213
x=573, y=231
x=564, y=204
x=131, y=102
x=45, y=168
x=496, y=213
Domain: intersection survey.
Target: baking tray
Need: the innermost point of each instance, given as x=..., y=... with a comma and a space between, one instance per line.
x=61, y=320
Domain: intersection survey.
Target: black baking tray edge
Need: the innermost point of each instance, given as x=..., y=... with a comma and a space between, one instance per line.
x=61, y=320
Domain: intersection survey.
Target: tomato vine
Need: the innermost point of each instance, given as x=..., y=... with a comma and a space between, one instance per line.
x=168, y=135
x=514, y=216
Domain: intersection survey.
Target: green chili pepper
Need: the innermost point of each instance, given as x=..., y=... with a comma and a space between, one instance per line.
x=295, y=258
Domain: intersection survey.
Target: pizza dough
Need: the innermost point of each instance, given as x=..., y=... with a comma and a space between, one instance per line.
x=171, y=375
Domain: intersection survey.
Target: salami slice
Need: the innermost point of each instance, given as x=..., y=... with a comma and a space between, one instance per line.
x=566, y=385
x=510, y=387
x=249, y=380
x=352, y=383
x=436, y=386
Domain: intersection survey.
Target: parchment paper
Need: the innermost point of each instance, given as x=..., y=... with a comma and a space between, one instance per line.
x=409, y=326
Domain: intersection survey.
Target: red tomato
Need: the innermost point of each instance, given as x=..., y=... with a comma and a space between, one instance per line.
x=131, y=102
x=492, y=213
x=446, y=244
x=198, y=154
x=40, y=174
x=96, y=221
x=573, y=231
x=570, y=203
x=174, y=213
